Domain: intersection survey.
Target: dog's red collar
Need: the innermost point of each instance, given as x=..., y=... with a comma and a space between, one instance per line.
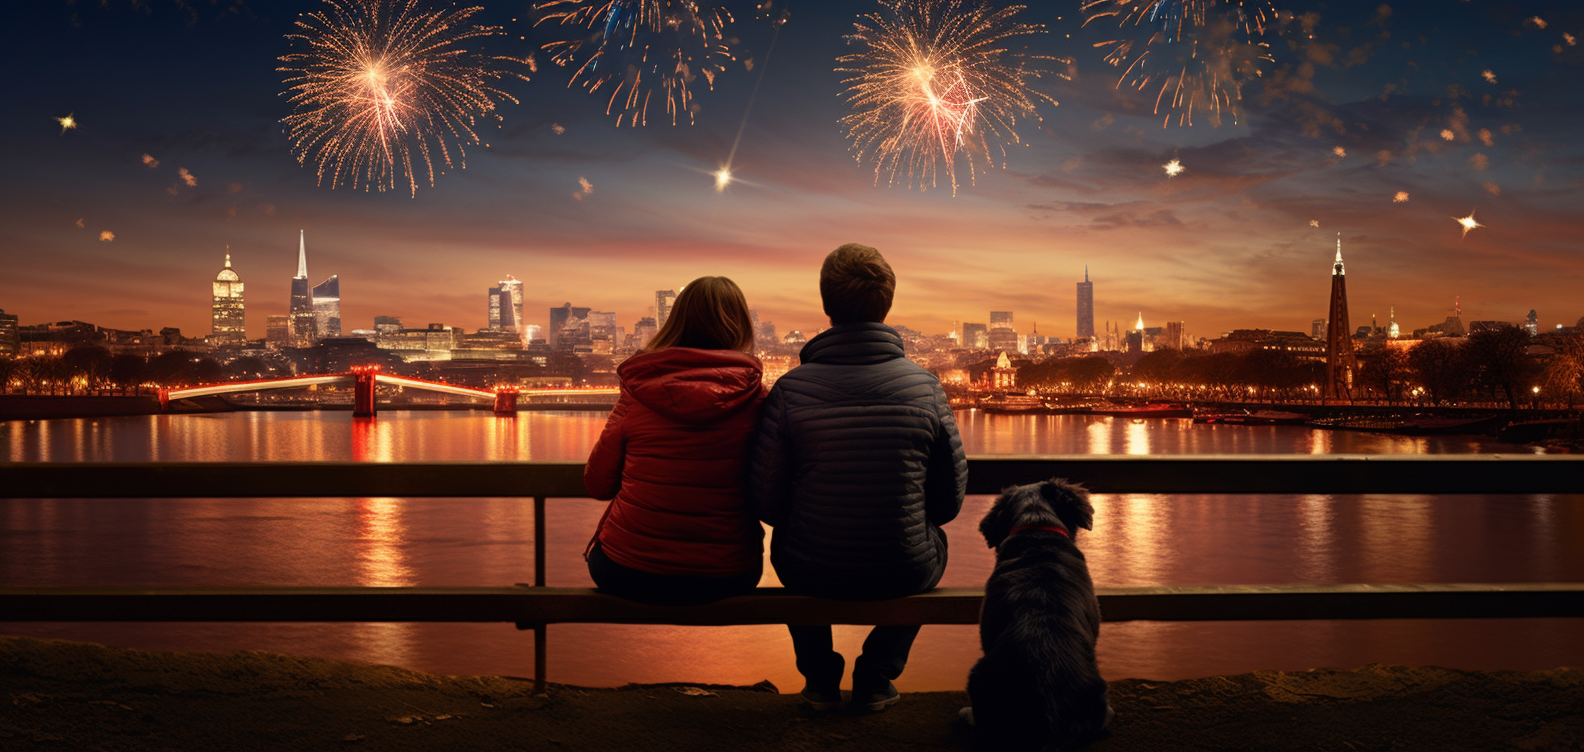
x=1043, y=528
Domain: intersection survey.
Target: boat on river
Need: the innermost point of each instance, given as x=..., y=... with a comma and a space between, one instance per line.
x=1149, y=410
x=1012, y=404
x=1256, y=418
x=1411, y=425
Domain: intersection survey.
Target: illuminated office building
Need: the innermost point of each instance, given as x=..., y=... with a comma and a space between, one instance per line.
x=506, y=306
x=1002, y=337
x=569, y=327
x=10, y=335
x=663, y=300
x=327, y=308
x=277, y=330
x=974, y=337
x=227, y=315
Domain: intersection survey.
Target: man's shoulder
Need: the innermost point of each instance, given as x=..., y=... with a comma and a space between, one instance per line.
x=894, y=375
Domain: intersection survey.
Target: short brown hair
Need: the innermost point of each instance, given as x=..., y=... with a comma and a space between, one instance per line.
x=856, y=285
x=709, y=314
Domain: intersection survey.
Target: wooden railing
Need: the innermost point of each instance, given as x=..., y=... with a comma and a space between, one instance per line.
x=535, y=606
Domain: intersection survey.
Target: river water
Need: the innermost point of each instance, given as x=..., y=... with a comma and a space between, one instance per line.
x=1137, y=540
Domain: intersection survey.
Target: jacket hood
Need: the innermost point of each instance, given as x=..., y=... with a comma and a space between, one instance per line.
x=692, y=386
x=854, y=345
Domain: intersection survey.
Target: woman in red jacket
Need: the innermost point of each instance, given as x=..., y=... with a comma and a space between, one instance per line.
x=673, y=458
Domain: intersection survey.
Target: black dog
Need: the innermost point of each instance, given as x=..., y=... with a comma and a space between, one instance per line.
x=1037, y=684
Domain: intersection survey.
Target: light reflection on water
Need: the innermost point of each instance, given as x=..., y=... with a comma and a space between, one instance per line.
x=1138, y=540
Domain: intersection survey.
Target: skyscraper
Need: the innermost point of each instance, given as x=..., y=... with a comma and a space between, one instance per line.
x=1002, y=337
x=277, y=330
x=301, y=311
x=663, y=300
x=1340, y=362
x=1086, y=307
x=562, y=318
x=506, y=306
x=643, y=331
x=327, y=308
x=974, y=337
x=1175, y=339
x=228, y=325
x=10, y=335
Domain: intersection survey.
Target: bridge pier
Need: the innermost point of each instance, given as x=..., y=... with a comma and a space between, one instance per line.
x=164, y=399
x=506, y=402
x=363, y=392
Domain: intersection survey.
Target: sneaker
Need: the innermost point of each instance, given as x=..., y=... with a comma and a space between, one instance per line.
x=966, y=715
x=821, y=700
x=875, y=701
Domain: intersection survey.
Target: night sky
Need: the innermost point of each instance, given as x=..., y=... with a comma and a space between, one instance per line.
x=1338, y=124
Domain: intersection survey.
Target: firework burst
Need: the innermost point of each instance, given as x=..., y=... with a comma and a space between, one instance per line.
x=1193, y=55
x=1468, y=223
x=935, y=79
x=641, y=50
x=381, y=90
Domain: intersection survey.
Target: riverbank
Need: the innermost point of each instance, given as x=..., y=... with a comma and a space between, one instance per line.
x=66, y=695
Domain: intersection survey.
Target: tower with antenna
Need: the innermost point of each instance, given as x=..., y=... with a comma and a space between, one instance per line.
x=301, y=323
x=1340, y=361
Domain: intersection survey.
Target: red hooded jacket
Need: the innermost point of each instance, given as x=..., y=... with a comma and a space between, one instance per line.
x=673, y=459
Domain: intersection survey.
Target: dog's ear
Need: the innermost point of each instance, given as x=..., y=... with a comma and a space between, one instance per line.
x=997, y=522
x=1070, y=502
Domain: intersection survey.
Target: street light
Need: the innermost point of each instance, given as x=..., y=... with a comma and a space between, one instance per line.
x=1534, y=401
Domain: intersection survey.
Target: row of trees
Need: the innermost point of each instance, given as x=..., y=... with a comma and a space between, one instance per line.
x=1487, y=366
x=91, y=369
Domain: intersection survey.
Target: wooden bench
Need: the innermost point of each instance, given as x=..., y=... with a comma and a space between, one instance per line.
x=531, y=607
x=527, y=605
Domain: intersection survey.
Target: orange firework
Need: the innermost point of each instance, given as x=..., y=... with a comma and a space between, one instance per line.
x=934, y=79
x=382, y=89
x=640, y=49
x=1194, y=55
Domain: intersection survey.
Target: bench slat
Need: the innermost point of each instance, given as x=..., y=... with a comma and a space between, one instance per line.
x=524, y=605
x=988, y=474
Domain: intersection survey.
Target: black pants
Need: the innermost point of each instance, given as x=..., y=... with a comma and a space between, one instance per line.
x=885, y=654
x=885, y=650
x=666, y=589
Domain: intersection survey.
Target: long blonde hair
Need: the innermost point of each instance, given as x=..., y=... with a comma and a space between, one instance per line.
x=709, y=314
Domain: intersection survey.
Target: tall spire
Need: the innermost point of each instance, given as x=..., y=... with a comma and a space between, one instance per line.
x=228, y=261
x=1086, y=272
x=302, y=256
x=1337, y=267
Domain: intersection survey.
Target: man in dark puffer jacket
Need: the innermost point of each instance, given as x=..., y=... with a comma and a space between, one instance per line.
x=857, y=464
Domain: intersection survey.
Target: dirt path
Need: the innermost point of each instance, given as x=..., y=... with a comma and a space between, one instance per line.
x=75, y=696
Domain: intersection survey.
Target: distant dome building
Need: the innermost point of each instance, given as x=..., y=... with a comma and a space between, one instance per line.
x=229, y=326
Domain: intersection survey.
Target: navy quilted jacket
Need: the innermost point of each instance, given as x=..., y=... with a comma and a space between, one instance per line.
x=857, y=463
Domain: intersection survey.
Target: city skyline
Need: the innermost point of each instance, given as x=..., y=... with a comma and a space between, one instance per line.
x=317, y=306
x=1349, y=122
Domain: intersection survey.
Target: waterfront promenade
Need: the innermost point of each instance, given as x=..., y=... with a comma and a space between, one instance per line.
x=68, y=695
